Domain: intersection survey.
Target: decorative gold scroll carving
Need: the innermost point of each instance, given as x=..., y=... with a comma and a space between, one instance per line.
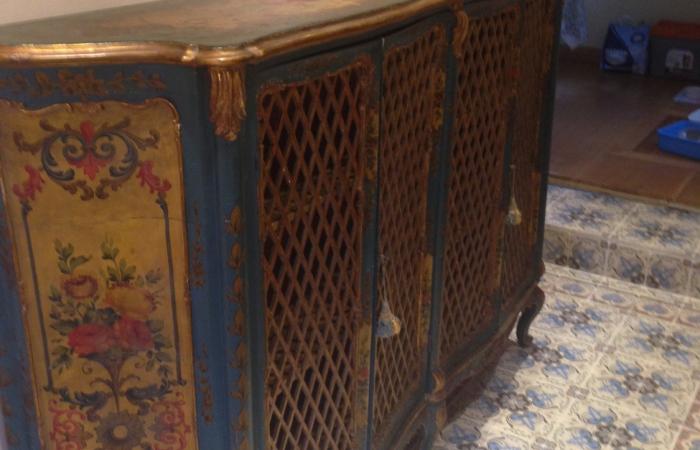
x=227, y=101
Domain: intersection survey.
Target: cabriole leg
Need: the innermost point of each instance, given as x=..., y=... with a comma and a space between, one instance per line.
x=532, y=308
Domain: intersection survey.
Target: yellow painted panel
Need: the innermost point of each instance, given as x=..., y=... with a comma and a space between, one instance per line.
x=95, y=200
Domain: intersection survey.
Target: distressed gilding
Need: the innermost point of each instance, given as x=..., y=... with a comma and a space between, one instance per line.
x=227, y=101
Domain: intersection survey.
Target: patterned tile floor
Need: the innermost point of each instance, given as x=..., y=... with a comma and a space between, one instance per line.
x=615, y=365
x=654, y=246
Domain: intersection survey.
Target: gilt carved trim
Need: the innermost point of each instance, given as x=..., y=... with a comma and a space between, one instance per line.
x=227, y=101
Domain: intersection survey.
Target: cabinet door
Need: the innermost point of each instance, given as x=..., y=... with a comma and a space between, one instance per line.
x=483, y=49
x=520, y=241
x=413, y=86
x=316, y=137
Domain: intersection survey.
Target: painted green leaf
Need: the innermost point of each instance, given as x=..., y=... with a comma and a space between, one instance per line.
x=63, y=252
x=153, y=276
x=77, y=261
x=69, y=308
x=54, y=294
x=64, y=326
x=63, y=267
x=106, y=315
x=61, y=362
x=58, y=246
x=161, y=341
x=55, y=312
x=90, y=316
x=113, y=275
x=109, y=252
x=60, y=350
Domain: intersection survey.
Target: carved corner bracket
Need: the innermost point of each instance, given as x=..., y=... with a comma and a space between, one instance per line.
x=227, y=101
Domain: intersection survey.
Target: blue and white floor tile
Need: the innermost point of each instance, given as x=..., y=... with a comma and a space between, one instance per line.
x=653, y=246
x=614, y=365
x=598, y=425
x=642, y=385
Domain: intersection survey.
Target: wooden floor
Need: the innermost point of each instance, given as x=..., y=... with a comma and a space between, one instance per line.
x=603, y=135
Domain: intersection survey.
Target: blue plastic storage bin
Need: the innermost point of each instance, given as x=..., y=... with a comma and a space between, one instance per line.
x=681, y=138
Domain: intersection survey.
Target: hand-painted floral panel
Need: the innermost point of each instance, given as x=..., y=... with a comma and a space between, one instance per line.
x=94, y=194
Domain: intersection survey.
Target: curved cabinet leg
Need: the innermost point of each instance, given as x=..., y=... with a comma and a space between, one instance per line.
x=532, y=308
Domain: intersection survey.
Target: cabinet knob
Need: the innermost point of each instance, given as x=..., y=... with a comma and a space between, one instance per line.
x=514, y=216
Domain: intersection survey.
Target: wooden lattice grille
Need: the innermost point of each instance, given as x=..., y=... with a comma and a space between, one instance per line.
x=474, y=216
x=535, y=52
x=413, y=89
x=311, y=144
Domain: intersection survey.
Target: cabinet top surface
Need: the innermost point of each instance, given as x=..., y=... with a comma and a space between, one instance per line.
x=203, y=32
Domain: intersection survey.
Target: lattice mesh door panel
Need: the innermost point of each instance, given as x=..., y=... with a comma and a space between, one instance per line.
x=413, y=89
x=535, y=53
x=474, y=215
x=311, y=144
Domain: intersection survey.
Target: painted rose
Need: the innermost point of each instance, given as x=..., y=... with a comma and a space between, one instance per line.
x=133, y=334
x=91, y=338
x=131, y=302
x=80, y=286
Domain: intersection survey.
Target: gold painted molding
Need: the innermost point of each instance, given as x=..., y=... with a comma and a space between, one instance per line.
x=191, y=54
x=227, y=101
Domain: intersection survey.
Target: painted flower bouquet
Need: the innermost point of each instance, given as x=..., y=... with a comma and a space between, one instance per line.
x=105, y=318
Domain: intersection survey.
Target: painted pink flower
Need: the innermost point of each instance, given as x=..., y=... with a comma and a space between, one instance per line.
x=80, y=286
x=29, y=188
x=133, y=334
x=91, y=338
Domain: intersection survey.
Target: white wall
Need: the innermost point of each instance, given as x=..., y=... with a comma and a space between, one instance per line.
x=601, y=12
x=21, y=10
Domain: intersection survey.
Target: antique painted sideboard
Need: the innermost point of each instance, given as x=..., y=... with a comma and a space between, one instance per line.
x=267, y=224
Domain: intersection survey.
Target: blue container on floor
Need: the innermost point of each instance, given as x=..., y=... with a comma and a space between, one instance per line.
x=681, y=138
